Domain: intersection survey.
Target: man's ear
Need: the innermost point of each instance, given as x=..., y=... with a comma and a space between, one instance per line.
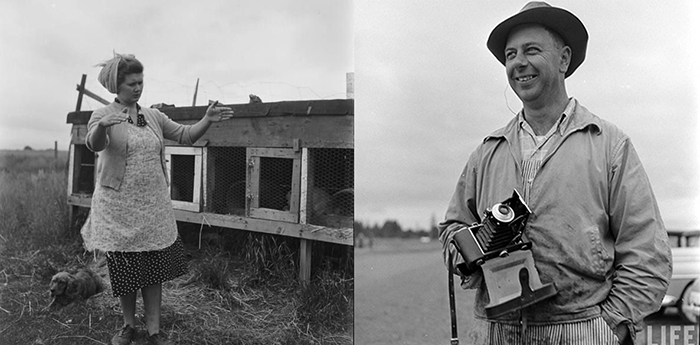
x=565, y=59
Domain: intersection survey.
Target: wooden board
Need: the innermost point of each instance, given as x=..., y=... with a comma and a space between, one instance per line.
x=305, y=253
x=337, y=107
x=305, y=231
x=321, y=131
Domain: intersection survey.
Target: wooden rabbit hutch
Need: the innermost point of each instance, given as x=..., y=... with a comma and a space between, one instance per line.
x=282, y=168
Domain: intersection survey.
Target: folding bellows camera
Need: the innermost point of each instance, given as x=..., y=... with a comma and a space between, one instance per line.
x=496, y=246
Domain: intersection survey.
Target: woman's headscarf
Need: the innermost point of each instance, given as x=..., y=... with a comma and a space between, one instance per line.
x=110, y=68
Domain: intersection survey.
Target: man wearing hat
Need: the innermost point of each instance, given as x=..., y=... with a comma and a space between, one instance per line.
x=595, y=226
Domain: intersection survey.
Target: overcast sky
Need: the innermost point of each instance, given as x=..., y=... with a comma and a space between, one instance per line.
x=278, y=50
x=426, y=88
x=428, y=91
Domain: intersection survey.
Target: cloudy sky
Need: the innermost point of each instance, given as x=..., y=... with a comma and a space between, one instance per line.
x=428, y=91
x=426, y=88
x=279, y=50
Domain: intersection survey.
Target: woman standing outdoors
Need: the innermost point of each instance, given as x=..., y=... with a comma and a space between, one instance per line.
x=131, y=218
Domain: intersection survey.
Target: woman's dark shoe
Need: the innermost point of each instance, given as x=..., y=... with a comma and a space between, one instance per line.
x=158, y=339
x=125, y=336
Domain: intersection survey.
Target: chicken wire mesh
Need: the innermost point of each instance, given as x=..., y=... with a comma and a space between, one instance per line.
x=226, y=180
x=227, y=188
x=275, y=184
x=330, y=192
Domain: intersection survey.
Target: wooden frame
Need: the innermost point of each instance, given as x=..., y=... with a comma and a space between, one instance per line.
x=75, y=164
x=72, y=176
x=253, y=157
x=304, y=244
x=195, y=204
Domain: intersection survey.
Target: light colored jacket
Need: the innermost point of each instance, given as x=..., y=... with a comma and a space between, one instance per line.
x=596, y=229
x=111, y=164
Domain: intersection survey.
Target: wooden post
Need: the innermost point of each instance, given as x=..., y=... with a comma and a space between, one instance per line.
x=305, y=261
x=89, y=93
x=305, y=245
x=80, y=93
x=196, y=87
x=350, y=85
x=55, y=155
x=72, y=210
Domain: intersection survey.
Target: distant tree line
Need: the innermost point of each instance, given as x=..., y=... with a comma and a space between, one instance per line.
x=392, y=229
x=30, y=160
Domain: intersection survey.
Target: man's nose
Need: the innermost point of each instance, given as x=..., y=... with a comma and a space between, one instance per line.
x=520, y=60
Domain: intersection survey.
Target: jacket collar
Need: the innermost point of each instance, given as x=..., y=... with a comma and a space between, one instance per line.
x=579, y=120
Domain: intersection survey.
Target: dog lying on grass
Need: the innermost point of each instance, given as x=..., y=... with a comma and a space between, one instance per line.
x=67, y=288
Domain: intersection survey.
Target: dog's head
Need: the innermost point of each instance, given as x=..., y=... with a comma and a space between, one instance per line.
x=60, y=283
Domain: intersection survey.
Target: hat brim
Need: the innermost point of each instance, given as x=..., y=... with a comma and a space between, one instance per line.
x=561, y=21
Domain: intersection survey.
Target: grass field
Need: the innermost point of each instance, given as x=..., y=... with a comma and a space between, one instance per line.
x=241, y=288
x=32, y=160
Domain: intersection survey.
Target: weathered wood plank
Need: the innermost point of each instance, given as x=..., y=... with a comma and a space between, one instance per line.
x=87, y=92
x=337, y=107
x=80, y=200
x=319, y=131
x=312, y=132
x=81, y=87
x=78, y=133
x=305, y=261
x=306, y=231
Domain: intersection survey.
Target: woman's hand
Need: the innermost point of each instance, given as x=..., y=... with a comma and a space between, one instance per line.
x=114, y=118
x=217, y=114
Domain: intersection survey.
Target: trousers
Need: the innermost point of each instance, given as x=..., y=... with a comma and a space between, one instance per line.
x=589, y=332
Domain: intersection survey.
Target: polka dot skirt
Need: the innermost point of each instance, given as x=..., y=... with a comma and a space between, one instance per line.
x=131, y=271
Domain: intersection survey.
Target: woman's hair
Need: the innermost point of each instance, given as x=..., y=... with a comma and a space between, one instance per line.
x=115, y=70
x=128, y=65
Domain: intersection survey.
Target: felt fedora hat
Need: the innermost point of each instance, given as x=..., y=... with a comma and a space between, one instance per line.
x=563, y=22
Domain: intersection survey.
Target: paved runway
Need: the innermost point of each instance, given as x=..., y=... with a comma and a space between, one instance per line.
x=401, y=298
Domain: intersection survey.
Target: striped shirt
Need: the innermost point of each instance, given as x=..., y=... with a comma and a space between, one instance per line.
x=588, y=332
x=534, y=148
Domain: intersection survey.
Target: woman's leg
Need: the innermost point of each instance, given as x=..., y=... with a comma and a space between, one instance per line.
x=128, y=303
x=152, y=296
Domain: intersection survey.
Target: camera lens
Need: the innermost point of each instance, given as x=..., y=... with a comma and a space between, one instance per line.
x=502, y=213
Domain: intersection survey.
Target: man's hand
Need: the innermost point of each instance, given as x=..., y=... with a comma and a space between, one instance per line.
x=623, y=334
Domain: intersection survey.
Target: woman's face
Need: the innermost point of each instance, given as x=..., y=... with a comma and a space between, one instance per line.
x=130, y=90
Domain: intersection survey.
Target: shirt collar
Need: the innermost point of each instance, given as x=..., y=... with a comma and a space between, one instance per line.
x=563, y=121
x=138, y=107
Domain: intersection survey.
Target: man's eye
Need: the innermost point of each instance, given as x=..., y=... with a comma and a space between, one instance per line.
x=510, y=55
x=532, y=50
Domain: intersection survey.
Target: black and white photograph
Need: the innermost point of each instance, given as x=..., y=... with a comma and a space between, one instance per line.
x=439, y=87
x=176, y=172
x=349, y=172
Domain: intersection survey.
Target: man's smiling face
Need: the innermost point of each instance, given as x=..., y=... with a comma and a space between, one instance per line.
x=535, y=64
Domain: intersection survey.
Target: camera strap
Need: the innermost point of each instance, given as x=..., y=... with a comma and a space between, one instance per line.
x=453, y=313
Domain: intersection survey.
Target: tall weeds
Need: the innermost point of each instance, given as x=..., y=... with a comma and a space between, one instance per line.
x=243, y=286
x=33, y=161
x=270, y=258
x=33, y=209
